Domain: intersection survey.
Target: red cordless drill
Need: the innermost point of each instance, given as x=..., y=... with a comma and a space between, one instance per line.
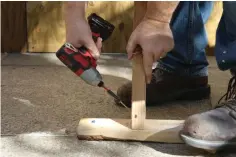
x=80, y=60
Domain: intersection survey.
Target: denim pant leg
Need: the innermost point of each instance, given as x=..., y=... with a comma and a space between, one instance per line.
x=225, y=49
x=187, y=24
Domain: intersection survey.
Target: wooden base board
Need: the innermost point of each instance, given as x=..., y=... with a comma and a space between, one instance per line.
x=166, y=131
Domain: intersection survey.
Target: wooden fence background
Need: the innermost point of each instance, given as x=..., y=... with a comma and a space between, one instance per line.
x=38, y=26
x=13, y=27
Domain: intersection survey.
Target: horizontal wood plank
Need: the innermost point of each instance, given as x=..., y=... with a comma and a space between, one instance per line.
x=120, y=129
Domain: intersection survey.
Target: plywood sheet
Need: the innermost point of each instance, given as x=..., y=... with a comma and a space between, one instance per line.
x=46, y=27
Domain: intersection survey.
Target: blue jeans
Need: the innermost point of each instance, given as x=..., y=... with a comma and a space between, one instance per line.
x=188, y=56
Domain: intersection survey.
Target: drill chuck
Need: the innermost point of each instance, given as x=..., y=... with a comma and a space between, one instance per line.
x=91, y=76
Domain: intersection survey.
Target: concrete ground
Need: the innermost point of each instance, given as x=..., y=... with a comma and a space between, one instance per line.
x=42, y=103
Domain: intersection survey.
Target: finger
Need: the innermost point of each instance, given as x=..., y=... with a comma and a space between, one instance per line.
x=148, y=60
x=163, y=55
x=131, y=47
x=99, y=44
x=75, y=44
x=92, y=48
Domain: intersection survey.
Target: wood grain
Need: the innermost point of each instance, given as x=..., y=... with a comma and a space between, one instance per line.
x=46, y=27
x=138, y=114
x=13, y=28
x=138, y=93
x=120, y=129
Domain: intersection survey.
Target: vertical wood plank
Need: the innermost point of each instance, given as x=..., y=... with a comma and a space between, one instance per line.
x=14, y=27
x=138, y=93
x=138, y=114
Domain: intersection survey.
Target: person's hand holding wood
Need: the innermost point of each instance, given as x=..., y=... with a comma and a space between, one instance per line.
x=153, y=34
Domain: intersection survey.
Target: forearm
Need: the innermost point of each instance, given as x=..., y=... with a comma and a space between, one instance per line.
x=140, y=8
x=160, y=11
x=74, y=11
x=74, y=14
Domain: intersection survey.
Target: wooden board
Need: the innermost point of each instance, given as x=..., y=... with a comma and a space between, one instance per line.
x=138, y=93
x=46, y=27
x=138, y=114
x=13, y=28
x=120, y=129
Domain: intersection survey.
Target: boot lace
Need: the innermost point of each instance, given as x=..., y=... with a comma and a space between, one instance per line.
x=231, y=91
x=230, y=97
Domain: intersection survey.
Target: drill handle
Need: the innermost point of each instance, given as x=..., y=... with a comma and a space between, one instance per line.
x=95, y=36
x=80, y=59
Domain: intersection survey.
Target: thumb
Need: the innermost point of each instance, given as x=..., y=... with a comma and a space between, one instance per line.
x=131, y=47
x=99, y=44
x=92, y=48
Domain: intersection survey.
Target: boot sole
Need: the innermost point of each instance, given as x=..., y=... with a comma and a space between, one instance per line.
x=185, y=95
x=195, y=94
x=208, y=145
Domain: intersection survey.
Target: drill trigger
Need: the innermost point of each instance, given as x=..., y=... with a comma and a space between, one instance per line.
x=70, y=46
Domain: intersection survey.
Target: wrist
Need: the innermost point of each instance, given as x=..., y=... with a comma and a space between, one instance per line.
x=160, y=11
x=163, y=18
x=158, y=24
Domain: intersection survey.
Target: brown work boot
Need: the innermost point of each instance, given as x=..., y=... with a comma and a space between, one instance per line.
x=214, y=129
x=166, y=87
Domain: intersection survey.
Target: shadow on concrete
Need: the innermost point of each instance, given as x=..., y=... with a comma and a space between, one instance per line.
x=176, y=149
x=227, y=150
